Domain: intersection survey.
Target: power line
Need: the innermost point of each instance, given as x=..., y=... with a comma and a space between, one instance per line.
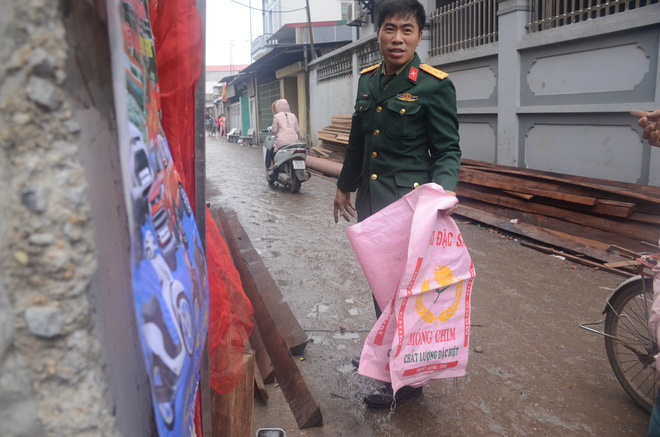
x=264, y=10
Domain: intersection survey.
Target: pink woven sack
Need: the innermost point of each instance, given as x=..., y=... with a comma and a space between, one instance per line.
x=420, y=272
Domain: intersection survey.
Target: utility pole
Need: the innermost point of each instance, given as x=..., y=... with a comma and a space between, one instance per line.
x=309, y=28
x=250, y=9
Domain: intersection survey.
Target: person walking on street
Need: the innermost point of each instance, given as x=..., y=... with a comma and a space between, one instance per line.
x=221, y=125
x=404, y=134
x=214, y=127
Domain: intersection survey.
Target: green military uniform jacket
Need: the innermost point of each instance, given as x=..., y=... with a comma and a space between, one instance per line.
x=402, y=137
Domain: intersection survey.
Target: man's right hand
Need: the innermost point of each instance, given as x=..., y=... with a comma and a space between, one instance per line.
x=343, y=206
x=650, y=122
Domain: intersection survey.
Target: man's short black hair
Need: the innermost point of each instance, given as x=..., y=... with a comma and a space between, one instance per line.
x=401, y=9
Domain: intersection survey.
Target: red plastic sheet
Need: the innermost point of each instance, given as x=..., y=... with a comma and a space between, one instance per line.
x=177, y=29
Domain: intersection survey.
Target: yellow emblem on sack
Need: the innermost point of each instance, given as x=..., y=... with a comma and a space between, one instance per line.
x=444, y=277
x=406, y=97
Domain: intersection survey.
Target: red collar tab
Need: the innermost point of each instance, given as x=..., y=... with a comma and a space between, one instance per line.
x=412, y=74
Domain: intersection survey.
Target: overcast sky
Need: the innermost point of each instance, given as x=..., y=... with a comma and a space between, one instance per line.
x=228, y=30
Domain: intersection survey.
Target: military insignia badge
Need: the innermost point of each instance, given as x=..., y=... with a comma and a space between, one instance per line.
x=412, y=74
x=406, y=97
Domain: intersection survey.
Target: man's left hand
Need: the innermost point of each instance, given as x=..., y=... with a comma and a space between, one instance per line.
x=451, y=210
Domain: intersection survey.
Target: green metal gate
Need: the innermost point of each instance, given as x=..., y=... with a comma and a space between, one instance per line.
x=245, y=113
x=268, y=93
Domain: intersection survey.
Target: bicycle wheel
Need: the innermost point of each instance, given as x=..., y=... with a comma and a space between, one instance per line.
x=631, y=351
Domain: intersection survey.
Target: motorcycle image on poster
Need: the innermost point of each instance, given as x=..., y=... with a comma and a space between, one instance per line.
x=170, y=282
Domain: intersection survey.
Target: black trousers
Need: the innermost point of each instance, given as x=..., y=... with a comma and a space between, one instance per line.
x=270, y=155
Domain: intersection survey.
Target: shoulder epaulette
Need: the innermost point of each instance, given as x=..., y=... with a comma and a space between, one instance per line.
x=433, y=71
x=368, y=69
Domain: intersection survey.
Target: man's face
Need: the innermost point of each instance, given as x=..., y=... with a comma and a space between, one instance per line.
x=398, y=38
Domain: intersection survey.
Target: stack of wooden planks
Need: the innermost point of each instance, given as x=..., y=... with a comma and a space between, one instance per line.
x=583, y=215
x=334, y=139
x=277, y=335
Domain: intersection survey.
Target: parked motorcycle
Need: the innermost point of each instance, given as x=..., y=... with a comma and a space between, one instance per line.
x=289, y=168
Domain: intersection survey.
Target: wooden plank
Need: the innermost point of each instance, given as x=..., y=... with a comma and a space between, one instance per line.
x=494, y=216
x=538, y=188
x=608, y=267
x=616, y=226
x=279, y=310
x=612, y=208
x=232, y=412
x=635, y=193
x=264, y=365
x=320, y=151
x=326, y=137
x=645, y=218
x=304, y=407
x=594, y=238
x=630, y=263
x=566, y=177
x=260, y=386
x=521, y=195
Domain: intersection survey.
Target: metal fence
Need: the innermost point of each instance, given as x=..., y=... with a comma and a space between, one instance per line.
x=463, y=24
x=369, y=55
x=335, y=68
x=548, y=14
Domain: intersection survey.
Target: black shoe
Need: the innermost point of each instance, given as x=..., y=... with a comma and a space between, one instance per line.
x=383, y=397
x=356, y=362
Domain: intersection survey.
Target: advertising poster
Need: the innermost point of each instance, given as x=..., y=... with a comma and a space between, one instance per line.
x=169, y=267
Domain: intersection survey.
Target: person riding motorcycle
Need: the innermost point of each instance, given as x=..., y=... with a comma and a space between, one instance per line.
x=285, y=127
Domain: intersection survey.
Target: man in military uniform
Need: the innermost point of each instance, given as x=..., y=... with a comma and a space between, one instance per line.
x=404, y=134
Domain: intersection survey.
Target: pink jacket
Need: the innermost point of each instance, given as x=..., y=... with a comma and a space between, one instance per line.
x=285, y=125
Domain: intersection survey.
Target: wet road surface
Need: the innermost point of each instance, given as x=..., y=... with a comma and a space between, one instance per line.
x=532, y=370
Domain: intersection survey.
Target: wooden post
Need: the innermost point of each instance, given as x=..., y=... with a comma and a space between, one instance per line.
x=232, y=412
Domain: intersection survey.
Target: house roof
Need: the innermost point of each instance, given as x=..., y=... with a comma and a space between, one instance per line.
x=288, y=31
x=279, y=56
x=282, y=55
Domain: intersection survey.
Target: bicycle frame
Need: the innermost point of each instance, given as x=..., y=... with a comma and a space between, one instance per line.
x=608, y=307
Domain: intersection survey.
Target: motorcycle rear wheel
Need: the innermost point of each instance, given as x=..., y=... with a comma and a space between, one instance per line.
x=294, y=187
x=627, y=319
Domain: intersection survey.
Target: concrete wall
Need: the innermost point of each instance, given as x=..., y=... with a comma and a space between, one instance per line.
x=328, y=98
x=70, y=360
x=89, y=88
x=558, y=100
